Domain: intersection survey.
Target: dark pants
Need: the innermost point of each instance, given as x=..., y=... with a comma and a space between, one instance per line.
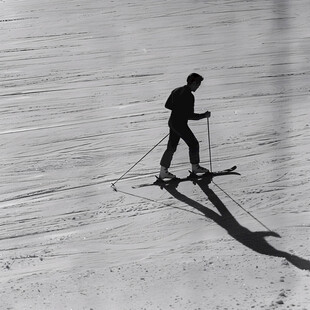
x=176, y=133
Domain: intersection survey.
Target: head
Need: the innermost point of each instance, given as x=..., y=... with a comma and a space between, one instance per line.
x=193, y=81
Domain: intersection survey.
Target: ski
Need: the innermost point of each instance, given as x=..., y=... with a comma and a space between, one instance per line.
x=225, y=172
x=191, y=177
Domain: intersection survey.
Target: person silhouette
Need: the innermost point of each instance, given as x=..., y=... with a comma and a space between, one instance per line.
x=181, y=103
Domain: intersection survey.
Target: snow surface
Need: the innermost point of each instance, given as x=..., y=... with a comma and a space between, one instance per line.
x=83, y=84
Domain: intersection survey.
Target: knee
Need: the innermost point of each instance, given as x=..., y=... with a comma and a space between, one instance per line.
x=171, y=148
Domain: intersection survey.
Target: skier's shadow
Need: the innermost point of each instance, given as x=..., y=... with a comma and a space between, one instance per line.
x=253, y=240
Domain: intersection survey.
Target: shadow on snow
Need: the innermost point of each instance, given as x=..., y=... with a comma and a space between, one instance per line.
x=253, y=240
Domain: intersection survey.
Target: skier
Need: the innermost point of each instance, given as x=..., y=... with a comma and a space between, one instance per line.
x=181, y=103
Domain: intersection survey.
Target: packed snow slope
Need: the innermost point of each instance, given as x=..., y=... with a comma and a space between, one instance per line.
x=83, y=87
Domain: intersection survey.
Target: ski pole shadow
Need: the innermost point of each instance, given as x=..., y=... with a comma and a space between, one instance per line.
x=253, y=240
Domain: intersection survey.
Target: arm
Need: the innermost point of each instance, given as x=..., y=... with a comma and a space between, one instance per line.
x=198, y=116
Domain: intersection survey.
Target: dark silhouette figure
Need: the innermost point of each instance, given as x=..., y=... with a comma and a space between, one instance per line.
x=253, y=240
x=181, y=102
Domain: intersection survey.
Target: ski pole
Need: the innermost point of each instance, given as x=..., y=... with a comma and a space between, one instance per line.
x=113, y=184
x=209, y=140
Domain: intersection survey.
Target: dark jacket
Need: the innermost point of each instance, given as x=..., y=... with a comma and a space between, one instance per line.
x=181, y=103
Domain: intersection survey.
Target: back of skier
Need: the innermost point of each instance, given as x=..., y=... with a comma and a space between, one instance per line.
x=181, y=103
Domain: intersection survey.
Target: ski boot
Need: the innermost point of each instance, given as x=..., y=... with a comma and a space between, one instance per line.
x=197, y=169
x=165, y=174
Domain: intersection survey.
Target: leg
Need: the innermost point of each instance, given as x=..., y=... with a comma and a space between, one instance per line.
x=189, y=138
x=173, y=142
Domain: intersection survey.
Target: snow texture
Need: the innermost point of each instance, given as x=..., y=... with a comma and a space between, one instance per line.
x=83, y=87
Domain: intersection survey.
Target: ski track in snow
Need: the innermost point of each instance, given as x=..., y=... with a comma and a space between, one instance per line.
x=82, y=91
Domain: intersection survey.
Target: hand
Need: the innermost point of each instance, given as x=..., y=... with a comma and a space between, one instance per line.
x=207, y=114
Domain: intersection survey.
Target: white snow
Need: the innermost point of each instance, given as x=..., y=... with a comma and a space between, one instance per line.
x=83, y=86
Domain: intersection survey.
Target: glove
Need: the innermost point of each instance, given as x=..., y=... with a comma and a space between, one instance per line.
x=207, y=114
